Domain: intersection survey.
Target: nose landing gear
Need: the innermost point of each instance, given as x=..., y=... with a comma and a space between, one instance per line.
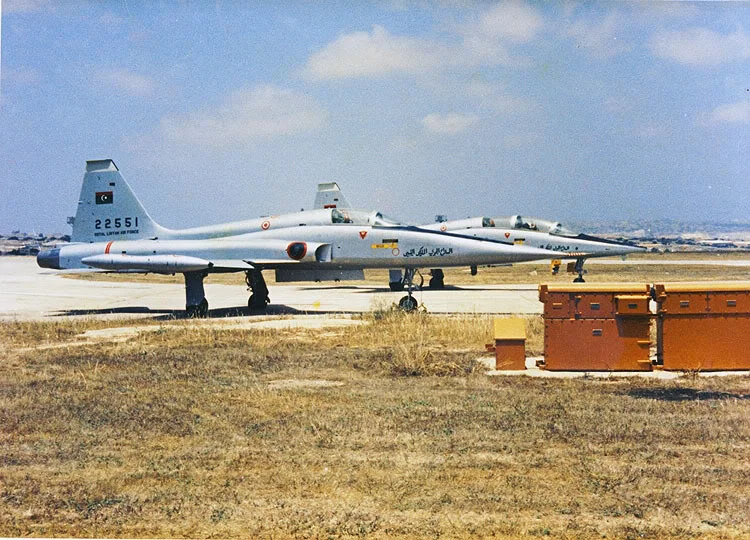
x=578, y=268
x=408, y=303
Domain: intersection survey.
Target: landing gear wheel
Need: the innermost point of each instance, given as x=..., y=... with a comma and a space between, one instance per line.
x=408, y=304
x=396, y=286
x=259, y=298
x=579, y=269
x=257, y=302
x=437, y=281
x=199, y=311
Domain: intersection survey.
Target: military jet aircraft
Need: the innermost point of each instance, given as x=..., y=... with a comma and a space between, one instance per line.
x=540, y=233
x=113, y=232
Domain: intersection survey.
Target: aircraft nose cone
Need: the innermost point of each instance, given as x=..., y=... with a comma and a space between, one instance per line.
x=636, y=249
x=626, y=248
x=49, y=258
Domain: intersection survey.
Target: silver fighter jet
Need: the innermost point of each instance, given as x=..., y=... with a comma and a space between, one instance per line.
x=518, y=230
x=540, y=233
x=113, y=232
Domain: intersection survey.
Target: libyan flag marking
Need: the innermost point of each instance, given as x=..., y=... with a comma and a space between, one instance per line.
x=104, y=197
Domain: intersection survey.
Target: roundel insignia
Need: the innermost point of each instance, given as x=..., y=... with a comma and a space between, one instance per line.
x=265, y=225
x=507, y=235
x=395, y=252
x=362, y=234
x=443, y=228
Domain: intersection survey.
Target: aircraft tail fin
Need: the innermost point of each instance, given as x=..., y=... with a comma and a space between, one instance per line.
x=108, y=209
x=329, y=195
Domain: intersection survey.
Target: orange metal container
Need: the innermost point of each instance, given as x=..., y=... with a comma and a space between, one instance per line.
x=596, y=327
x=632, y=305
x=597, y=344
x=704, y=325
x=588, y=300
x=510, y=344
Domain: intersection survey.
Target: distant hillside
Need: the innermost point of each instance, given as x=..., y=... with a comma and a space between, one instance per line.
x=661, y=227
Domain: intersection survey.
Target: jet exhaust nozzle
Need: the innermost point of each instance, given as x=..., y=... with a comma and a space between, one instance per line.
x=49, y=258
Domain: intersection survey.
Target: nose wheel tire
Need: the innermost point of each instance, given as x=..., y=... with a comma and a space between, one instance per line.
x=408, y=304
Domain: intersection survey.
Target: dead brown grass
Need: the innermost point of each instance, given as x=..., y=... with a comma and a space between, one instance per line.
x=177, y=433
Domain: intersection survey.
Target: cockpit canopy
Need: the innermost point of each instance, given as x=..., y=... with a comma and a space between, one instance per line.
x=362, y=217
x=533, y=224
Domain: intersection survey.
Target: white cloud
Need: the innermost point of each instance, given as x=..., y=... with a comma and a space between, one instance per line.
x=125, y=81
x=448, y=124
x=701, y=47
x=487, y=38
x=601, y=39
x=493, y=96
x=510, y=21
x=110, y=19
x=484, y=40
x=731, y=113
x=372, y=54
x=23, y=6
x=21, y=77
x=247, y=115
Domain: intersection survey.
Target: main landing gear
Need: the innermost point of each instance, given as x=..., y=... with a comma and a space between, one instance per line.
x=259, y=298
x=196, y=304
x=437, y=281
x=397, y=283
x=395, y=280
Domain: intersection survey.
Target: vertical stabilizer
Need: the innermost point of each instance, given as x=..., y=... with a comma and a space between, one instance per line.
x=329, y=196
x=108, y=209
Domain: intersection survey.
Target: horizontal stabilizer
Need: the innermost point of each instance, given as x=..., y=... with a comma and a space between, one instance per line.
x=161, y=264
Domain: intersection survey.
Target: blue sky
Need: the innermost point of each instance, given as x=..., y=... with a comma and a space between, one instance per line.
x=230, y=110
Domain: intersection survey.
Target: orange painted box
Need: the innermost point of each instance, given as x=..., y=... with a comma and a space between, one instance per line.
x=510, y=344
x=589, y=300
x=597, y=344
x=703, y=326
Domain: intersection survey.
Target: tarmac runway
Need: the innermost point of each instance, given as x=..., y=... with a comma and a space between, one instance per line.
x=28, y=292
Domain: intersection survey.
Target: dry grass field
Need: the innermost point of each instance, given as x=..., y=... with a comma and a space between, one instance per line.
x=389, y=429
